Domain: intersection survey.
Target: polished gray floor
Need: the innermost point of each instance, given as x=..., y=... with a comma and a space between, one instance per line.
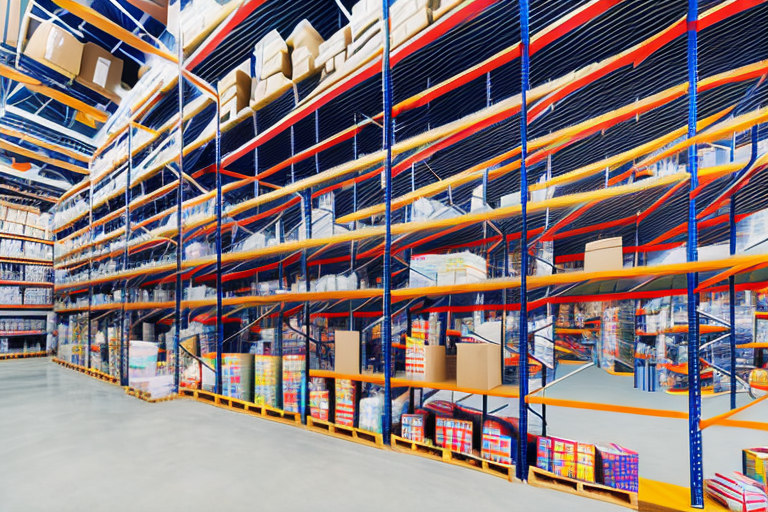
x=71, y=443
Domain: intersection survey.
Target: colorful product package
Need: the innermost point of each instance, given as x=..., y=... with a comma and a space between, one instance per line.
x=497, y=446
x=318, y=404
x=755, y=464
x=371, y=409
x=737, y=492
x=544, y=454
x=293, y=373
x=564, y=457
x=585, y=462
x=456, y=435
x=345, y=402
x=265, y=373
x=618, y=467
x=412, y=427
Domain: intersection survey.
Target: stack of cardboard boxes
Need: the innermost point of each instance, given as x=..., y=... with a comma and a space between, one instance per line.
x=304, y=44
x=272, y=76
x=409, y=17
x=332, y=53
x=234, y=92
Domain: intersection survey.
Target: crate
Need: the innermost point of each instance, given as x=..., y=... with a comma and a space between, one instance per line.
x=540, y=478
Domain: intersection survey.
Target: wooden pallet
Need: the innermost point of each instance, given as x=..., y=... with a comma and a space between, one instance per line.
x=343, y=432
x=234, y=404
x=433, y=452
x=96, y=374
x=22, y=355
x=143, y=395
x=540, y=478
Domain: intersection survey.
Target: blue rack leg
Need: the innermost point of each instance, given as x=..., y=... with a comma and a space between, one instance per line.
x=694, y=377
x=521, y=468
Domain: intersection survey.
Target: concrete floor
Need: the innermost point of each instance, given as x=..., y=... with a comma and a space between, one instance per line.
x=71, y=443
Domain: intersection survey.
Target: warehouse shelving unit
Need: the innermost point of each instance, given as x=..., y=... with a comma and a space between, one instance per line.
x=167, y=220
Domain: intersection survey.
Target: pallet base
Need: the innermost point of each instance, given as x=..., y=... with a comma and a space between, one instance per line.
x=96, y=374
x=234, y=404
x=343, y=432
x=23, y=355
x=429, y=451
x=540, y=478
x=143, y=395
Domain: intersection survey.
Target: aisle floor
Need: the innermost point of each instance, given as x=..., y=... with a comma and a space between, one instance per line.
x=71, y=443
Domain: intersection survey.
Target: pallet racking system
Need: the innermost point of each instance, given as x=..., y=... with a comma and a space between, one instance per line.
x=174, y=196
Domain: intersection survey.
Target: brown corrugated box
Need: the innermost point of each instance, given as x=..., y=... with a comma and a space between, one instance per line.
x=603, y=254
x=437, y=366
x=478, y=366
x=11, y=14
x=56, y=48
x=100, y=71
x=264, y=92
x=347, y=356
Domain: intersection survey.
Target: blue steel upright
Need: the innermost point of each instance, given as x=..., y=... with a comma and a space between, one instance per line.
x=386, y=328
x=125, y=330
x=179, y=201
x=521, y=467
x=219, y=283
x=694, y=377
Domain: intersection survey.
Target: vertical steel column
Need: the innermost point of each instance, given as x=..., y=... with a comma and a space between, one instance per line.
x=179, y=201
x=521, y=468
x=694, y=377
x=219, y=283
x=125, y=338
x=278, y=348
x=306, y=203
x=386, y=328
x=732, y=282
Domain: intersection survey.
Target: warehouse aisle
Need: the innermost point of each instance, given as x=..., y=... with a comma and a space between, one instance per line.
x=69, y=442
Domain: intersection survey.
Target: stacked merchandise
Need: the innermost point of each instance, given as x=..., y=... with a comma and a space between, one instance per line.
x=498, y=444
x=20, y=220
x=272, y=76
x=113, y=339
x=610, y=464
x=319, y=400
x=265, y=373
x=293, y=373
x=234, y=93
x=446, y=269
x=345, y=402
x=237, y=371
x=371, y=409
x=415, y=358
x=412, y=427
x=737, y=492
x=755, y=464
x=617, y=337
x=618, y=467
x=456, y=435
x=409, y=17
x=304, y=43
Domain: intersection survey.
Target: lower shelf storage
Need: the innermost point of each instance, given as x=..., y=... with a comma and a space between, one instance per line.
x=540, y=478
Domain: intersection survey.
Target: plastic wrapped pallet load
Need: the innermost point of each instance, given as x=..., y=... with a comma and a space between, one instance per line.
x=737, y=492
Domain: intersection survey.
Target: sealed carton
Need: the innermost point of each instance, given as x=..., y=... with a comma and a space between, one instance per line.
x=335, y=45
x=303, y=64
x=278, y=63
x=410, y=27
x=347, y=357
x=478, y=366
x=304, y=36
x=56, y=48
x=603, y=255
x=100, y=71
x=266, y=91
x=11, y=15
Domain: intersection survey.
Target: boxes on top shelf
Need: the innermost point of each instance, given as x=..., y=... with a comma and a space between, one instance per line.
x=478, y=366
x=100, y=71
x=235, y=92
x=603, y=254
x=333, y=46
x=412, y=427
x=11, y=14
x=56, y=48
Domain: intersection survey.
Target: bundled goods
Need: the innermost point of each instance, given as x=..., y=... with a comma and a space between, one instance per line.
x=237, y=375
x=564, y=457
x=446, y=269
x=544, y=453
x=293, y=373
x=113, y=339
x=371, y=409
x=10, y=294
x=617, y=467
x=235, y=92
x=412, y=427
x=585, y=462
x=35, y=251
x=318, y=404
x=415, y=356
x=755, y=464
x=304, y=43
x=345, y=402
x=273, y=70
x=265, y=373
x=498, y=443
x=456, y=435
x=142, y=360
x=737, y=492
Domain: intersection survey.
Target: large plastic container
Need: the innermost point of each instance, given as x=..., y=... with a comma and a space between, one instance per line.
x=142, y=360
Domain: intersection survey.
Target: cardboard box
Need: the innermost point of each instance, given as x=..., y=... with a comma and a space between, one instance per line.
x=445, y=7
x=410, y=27
x=303, y=64
x=478, y=366
x=347, y=357
x=158, y=9
x=235, y=93
x=304, y=36
x=335, y=45
x=240, y=76
x=11, y=14
x=755, y=464
x=269, y=46
x=372, y=32
x=100, y=70
x=603, y=255
x=402, y=10
x=425, y=362
x=266, y=91
x=56, y=48
x=278, y=63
